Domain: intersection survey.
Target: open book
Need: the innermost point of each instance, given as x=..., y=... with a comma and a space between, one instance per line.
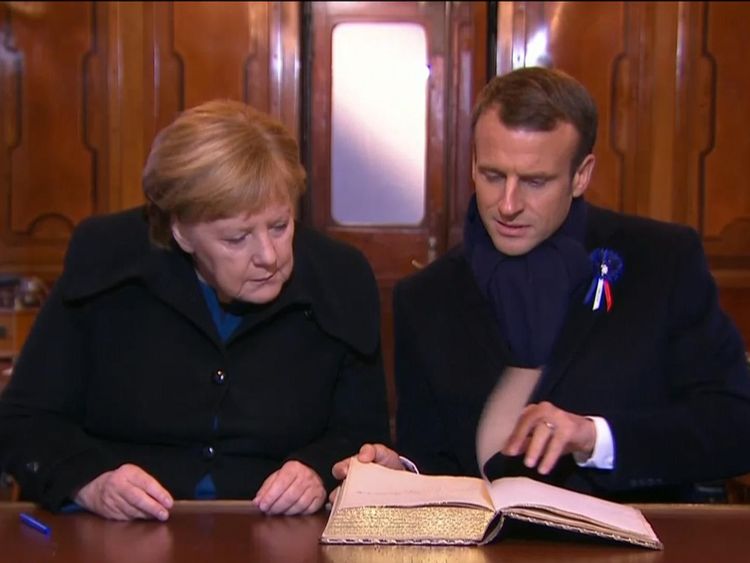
x=385, y=506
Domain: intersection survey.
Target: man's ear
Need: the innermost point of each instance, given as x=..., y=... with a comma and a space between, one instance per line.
x=180, y=237
x=582, y=177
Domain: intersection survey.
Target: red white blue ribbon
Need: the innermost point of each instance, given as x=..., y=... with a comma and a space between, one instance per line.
x=608, y=268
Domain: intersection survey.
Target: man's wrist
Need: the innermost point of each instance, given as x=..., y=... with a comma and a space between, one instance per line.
x=603, y=454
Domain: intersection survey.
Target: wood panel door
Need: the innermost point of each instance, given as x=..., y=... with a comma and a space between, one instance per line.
x=198, y=51
x=455, y=43
x=713, y=81
x=54, y=166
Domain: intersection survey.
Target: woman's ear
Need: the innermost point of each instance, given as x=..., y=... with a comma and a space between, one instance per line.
x=179, y=236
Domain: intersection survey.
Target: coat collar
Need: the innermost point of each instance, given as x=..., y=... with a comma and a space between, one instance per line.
x=581, y=319
x=111, y=251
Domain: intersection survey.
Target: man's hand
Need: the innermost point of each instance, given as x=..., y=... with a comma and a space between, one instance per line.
x=544, y=432
x=368, y=453
x=293, y=489
x=127, y=493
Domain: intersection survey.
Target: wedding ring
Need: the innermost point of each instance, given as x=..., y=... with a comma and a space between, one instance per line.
x=549, y=425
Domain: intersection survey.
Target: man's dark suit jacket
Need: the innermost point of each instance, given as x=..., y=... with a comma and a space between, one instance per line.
x=665, y=367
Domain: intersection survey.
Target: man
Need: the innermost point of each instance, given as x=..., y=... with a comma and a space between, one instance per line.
x=633, y=383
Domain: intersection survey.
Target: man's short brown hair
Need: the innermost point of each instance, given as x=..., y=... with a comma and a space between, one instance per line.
x=538, y=99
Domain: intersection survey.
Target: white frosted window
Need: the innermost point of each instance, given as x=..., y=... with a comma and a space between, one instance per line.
x=379, y=123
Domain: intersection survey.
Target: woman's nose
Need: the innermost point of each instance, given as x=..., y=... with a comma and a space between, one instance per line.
x=264, y=253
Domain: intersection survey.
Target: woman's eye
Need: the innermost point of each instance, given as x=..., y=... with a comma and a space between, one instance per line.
x=235, y=240
x=280, y=227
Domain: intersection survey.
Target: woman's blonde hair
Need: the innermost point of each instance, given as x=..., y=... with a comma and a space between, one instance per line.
x=218, y=159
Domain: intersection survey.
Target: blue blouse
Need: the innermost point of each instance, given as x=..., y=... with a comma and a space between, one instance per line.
x=226, y=322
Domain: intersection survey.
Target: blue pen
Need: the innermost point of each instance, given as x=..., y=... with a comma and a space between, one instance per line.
x=32, y=522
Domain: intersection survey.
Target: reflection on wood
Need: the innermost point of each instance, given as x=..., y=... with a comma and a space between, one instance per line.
x=402, y=554
x=52, y=122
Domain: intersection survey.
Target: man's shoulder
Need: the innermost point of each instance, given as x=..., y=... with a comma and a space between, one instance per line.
x=635, y=231
x=445, y=272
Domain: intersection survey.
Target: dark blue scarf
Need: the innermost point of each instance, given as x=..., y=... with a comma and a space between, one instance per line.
x=530, y=294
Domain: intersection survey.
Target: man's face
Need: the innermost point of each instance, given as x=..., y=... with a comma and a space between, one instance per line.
x=523, y=181
x=246, y=257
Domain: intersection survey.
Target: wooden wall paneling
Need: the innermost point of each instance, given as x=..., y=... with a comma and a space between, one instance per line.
x=693, y=116
x=468, y=63
x=54, y=115
x=722, y=196
x=284, y=63
x=86, y=85
x=163, y=82
x=657, y=144
x=725, y=213
x=624, y=45
x=219, y=54
x=245, y=51
x=556, y=34
x=127, y=110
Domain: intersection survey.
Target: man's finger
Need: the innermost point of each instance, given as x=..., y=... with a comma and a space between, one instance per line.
x=552, y=453
x=519, y=439
x=541, y=435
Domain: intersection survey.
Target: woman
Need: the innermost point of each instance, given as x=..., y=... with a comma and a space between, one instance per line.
x=205, y=346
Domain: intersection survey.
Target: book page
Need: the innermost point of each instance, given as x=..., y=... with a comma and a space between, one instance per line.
x=510, y=492
x=369, y=484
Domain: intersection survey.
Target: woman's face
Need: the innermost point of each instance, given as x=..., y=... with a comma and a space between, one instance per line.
x=247, y=257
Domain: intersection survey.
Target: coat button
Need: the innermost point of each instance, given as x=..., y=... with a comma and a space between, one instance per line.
x=32, y=466
x=309, y=313
x=209, y=452
x=219, y=377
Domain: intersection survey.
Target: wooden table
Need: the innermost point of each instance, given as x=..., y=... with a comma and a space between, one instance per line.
x=227, y=532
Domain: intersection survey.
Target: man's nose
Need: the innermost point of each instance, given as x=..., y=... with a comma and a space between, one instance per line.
x=511, y=202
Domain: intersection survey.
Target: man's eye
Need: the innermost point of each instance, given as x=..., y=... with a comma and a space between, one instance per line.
x=536, y=182
x=493, y=176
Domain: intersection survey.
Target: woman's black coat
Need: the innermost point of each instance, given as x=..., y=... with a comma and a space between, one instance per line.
x=125, y=365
